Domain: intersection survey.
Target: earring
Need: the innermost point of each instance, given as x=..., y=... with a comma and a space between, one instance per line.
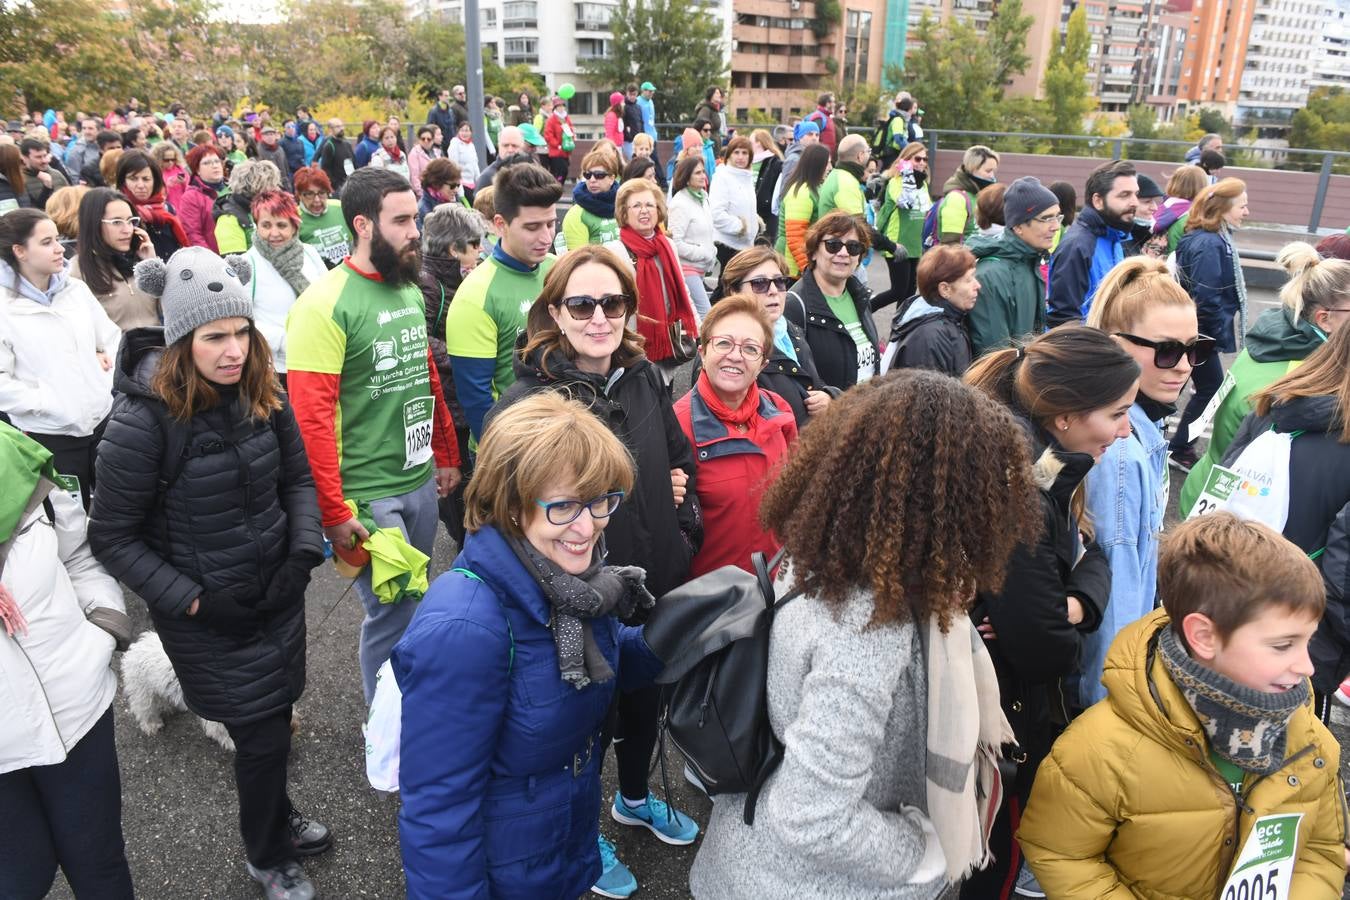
x=1064, y=428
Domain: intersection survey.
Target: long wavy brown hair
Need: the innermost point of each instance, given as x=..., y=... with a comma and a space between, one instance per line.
x=913, y=487
x=543, y=335
x=186, y=392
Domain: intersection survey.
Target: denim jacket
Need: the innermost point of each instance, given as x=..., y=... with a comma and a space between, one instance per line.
x=1126, y=500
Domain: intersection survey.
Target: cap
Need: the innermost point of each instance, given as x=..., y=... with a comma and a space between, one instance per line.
x=647, y=86
x=531, y=134
x=1148, y=188
x=225, y=131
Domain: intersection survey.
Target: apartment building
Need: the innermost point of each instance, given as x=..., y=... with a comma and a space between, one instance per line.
x=1282, y=53
x=1332, y=66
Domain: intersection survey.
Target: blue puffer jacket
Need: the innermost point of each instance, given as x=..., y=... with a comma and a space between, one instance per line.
x=1205, y=269
x=499, y=760
x=1085, y=254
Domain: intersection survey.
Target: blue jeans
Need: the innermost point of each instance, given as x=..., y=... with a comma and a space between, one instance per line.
x=416, y=515
x=698, y=295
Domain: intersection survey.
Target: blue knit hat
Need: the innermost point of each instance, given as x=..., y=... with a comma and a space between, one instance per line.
x=803, y=129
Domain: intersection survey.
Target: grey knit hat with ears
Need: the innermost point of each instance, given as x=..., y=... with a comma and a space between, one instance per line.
x=196, y=287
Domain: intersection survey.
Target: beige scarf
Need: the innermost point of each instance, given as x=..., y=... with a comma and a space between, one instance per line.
x=966, y=731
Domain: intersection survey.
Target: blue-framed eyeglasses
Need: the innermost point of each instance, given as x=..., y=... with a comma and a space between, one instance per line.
x=565, y=512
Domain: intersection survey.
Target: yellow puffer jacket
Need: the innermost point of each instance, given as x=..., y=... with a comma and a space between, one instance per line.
x=1129, y=805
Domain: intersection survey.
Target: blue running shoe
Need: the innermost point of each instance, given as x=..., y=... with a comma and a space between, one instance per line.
x=670, y=825
x=615, y=879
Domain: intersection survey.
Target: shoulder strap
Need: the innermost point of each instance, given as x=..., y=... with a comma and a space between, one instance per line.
x=177, y=437
x=510, y=633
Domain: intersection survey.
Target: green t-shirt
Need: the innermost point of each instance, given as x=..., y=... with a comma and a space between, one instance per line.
x=1231, y=773
x=326, y=233
x=844, y=310
x=375, y=339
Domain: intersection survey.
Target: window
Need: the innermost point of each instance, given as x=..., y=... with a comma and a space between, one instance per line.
x=592, y=48
x=857, y=41
x=520, y=14
x=522, y=50
x=593, y=16
x=488, y=17
x=581, y=104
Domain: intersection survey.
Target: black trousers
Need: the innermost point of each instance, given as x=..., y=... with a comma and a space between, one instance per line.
x=558, y=165
x=903, y=282
x=1205, y=381
x=70, y=815
x=632, y=726
x=261, y=750
x=74, y=456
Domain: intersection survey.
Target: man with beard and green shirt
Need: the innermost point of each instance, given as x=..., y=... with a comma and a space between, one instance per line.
x=490, y=306
x=367, y=397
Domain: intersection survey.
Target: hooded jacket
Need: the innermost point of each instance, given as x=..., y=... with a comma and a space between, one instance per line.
x=1276, y=345
x=647, y=529
x=835, y=353
x=1088, y=250
x=234, y=223
x=1011, y=305
x=195, y=212
x=1129, y=804
x=731, y=200
x=242, y=506
x=1319, y=515
x=11, y=199
x=956, y=213
x=932, y=335
x=338, y=160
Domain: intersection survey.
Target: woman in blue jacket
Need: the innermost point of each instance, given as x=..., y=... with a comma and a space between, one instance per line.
x=1141, y=305
x=510, y=664
x=1210, y=271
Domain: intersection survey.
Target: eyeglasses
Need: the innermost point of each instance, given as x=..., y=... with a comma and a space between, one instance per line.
x=133, y=222
x=565, y=512
x=310, y=195
x=582, y=306
x=724, y=345
x=1046, y=220
x=1167, y=354
x=596, y=175
x=637, y=207
x=761, y=284
x=706, y=129
x=834, y=245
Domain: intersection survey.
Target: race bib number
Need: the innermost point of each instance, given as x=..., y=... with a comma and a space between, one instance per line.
x=1265, y=866
x=417, y=424
x=1197, y=428
x=71, y=485
x=1219, y=486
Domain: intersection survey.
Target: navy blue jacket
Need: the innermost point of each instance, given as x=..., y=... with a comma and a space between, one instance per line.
x=500, y=758
x=1205, y=269
x=295, y=153
x=1085, y=254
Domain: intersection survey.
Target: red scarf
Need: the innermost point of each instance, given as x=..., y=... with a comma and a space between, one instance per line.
x=653, y=282
x=394, y=153
x=154, y=212
x=742, y=415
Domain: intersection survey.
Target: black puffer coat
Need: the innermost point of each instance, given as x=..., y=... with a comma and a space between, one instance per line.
x=243, y=504
x=648, y=529
x=1319, y=516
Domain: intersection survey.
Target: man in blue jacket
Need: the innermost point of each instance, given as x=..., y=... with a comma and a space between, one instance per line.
x=1092, y=244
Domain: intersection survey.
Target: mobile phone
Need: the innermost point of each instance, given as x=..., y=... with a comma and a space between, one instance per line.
x=136, y=241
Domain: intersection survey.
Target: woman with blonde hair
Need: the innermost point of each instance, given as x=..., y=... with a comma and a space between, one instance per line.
x=591, y=218
x=905, y=204
x=1210, y=270
x=173, y=166
x=64, y=208
x=1143, y=308
x=1182, y=187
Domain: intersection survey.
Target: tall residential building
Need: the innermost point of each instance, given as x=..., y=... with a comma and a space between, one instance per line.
x=1332, y=66
x=1212, y=65
x=1281, y=55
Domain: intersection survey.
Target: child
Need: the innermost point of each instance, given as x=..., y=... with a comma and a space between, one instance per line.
x=1206, y=754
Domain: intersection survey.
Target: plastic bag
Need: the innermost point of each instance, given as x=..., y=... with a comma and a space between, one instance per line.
x=382, y=729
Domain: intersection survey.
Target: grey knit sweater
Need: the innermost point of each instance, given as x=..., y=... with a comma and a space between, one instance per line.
x=850, y=705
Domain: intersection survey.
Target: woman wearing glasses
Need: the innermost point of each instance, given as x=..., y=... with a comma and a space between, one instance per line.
x=591, y=218
x=578, y=345
x=171, y=165
x=832, y=306
x=1153, y=319
x=110, y=243
x=791, y=369
x=740, y=433
x=1012, y=285
x=512, y=661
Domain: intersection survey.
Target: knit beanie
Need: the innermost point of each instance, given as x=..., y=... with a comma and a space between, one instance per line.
x=1026, y=198
x=196, y=287
x=803, y=129
x=1148, y=188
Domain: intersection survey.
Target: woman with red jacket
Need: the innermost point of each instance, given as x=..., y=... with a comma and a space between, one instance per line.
x=740, y=433
x=560, y=138
x=207, y=167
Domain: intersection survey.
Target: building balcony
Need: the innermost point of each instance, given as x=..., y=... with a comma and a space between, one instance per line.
x=592, y=25
x=523, y=22
x=527, y=59
x=777, y=62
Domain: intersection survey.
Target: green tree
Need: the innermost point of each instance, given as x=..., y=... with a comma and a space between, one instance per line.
x=1066, y=87
x=1142, y=120
x=1006, y=40
x=1213, y=122
x=671, y=43
x=948, y=67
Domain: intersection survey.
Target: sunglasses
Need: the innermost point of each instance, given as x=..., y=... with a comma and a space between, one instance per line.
x=1167, y=354
x=834, y=245
x=595, y=175
x=761, y=284
x=582, y=307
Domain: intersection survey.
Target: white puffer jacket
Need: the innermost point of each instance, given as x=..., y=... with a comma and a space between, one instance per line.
x=691, y=231
x=735, y=215
x=273, y=297
x=56, y=680
x=51, y=381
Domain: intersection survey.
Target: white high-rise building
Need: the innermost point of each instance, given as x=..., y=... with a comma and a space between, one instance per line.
x=1332, y=68
x=553, y=38
x=1282, y=52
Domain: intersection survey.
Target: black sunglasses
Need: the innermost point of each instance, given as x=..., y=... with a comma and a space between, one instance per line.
x=834, y=245
x=595, y=175
x=582, y=306
x=761, y=284
x=1167, y=354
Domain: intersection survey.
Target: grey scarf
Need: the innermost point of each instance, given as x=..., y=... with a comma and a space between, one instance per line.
x=288, y=260
x=1240, y=283
x=577, y=599
x=1247, y=727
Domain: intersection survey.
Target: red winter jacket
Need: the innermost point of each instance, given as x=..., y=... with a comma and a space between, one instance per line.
x=553, y=135
x=194, y=211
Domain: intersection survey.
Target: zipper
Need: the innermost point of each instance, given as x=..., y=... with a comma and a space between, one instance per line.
x=45, y=699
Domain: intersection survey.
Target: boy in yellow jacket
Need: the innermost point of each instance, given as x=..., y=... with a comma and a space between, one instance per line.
x=1204, y=773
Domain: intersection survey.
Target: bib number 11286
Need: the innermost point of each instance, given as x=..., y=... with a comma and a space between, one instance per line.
x=1265, y=866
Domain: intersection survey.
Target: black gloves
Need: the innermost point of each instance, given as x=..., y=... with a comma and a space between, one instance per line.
x=227, y=615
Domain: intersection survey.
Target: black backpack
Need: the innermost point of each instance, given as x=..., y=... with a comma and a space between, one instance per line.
x=713, y=634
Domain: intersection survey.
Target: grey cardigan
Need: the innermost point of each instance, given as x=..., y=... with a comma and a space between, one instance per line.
x=844, y=815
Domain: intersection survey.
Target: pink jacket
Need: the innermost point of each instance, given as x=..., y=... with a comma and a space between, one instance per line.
x=194, y=211
x=614, y=128
x=418, y=160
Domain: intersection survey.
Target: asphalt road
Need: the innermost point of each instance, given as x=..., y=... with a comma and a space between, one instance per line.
x=179, y=808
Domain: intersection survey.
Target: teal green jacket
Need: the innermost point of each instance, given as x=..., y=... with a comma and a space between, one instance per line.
x=1012, y=292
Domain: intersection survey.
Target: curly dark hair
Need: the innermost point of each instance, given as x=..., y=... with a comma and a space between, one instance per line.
x=914, y=487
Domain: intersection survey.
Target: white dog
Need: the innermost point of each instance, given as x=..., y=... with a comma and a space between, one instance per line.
x=153, y=689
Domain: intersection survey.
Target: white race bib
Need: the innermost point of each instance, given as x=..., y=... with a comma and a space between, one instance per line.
x=417, y=423
x=1265, y=866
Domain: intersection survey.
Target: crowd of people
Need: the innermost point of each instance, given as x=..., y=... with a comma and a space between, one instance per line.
x=229, y=353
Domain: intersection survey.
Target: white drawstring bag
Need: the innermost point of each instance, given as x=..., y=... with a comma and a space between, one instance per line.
x=1255, y=486
x=382, y=730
